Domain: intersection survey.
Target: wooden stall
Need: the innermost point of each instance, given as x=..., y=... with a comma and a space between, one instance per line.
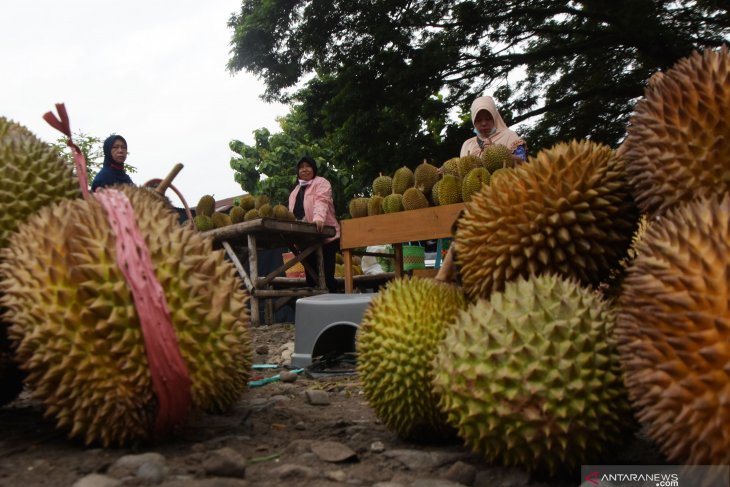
x=395, y=228
x=267, y=233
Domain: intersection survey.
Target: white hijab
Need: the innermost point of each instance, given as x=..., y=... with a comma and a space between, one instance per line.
x=502, y=134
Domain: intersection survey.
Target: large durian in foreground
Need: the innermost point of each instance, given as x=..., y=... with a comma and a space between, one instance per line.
x=674, y=332
x=77, y=330
x=531, y=377
x=678, y=143
x=396, y=344
x=569, y=211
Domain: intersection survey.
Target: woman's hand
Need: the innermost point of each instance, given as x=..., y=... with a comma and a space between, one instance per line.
x=320, y=225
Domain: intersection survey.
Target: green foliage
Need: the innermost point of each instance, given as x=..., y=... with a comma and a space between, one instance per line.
x=385, y=75
x=269, y=166
x=93, y=150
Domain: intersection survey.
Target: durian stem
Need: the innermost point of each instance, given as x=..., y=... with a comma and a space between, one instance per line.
x=162, y=187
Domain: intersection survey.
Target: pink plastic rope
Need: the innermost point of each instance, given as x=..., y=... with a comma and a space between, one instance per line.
x=170, y=377
x=153, y=183
x=63, y=125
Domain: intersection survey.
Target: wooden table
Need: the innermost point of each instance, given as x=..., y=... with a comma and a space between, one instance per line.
x=395, y=228
x=267, y=233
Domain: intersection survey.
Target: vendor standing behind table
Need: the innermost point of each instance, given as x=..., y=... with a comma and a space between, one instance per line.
x=115, y=153
x=491, y=130
x=311, y=201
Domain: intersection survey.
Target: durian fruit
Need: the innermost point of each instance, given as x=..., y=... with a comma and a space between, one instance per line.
x=203, y=223
x=281, y=212
x=449, y=190
x=261, y=200
x=358, y=207
x=451, y=166
x=393, y=203
x=382, y=186
x=473, y=182
x=266, y=210
x=251, y=215
x=402, y=180
x=496, y=156
x=220, y=219
x=396, y=343
x=502, y=172
x=413, y=199
x=375, y=205
x=248, y=202
x=674, y=332
x=435, y=193
x=678, y=143
x=206, y=205
x=77, y=330
x=531, y=377
x=568, y=211
x=425, y=176
x=237, y=213
x=290, y=216
x=32, y=175
x=467, y=163
x=339, y=259
x=339, y=270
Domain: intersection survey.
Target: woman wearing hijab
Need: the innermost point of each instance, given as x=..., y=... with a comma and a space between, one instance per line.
x=491, y=130
x=115, y=153
x=311, y=201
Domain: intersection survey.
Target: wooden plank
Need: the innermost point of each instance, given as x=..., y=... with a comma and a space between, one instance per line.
x=405, y=226
x=269, y=226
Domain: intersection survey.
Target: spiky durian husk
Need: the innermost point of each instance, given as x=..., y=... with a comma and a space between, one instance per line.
x=205, y=206
x=425, y=176
x=32, y=175
x=674, y=332
x=358, y=207
x=568, y=211
x=678, y=144
x=396, y=343
x=531, y=377
x=77, y=330
x=414, y=199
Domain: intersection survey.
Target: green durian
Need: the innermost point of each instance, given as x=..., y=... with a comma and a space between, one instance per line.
x=531, y=377
x=206, y=205
x=396, y=344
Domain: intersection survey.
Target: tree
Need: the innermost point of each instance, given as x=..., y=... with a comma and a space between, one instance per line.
x=269, y=166
x=387, y=75
x=93, y=150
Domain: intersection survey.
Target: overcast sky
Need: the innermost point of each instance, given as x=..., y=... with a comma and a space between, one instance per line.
x=152, y=71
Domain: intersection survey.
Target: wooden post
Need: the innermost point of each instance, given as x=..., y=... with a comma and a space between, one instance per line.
x=347, y=258
x=254, y=272
x=398, y=249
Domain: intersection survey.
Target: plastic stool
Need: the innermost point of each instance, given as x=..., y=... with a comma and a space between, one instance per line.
x=325, y=323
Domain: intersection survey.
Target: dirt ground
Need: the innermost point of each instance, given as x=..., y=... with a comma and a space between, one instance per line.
x=276, y=435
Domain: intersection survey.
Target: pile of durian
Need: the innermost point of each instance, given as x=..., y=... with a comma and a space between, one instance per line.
x=572, y=324
x=70, y=330
x=247, y=207
x=456, y=181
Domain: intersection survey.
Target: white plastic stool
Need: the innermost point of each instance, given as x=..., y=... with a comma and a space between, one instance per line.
x=326, y=323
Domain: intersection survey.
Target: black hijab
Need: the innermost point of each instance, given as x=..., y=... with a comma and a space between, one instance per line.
x=108, y=143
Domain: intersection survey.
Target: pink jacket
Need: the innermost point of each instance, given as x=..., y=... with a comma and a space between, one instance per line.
x=318, y=204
